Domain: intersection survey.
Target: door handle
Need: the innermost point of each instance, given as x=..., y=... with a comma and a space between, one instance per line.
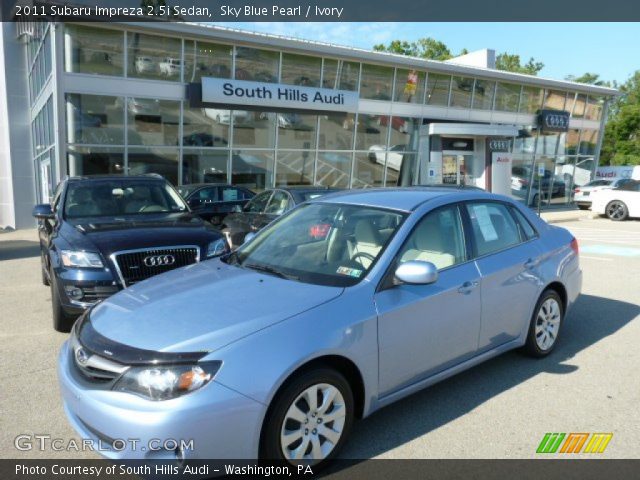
x=467, y=287
x=531, y=263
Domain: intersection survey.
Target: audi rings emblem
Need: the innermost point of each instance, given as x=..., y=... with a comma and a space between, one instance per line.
x=159, y=260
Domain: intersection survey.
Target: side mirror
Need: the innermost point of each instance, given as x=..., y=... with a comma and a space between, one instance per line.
x=248, y=237
x=43, y=212
x=416, y=272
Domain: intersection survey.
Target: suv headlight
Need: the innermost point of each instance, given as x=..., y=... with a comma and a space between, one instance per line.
x=72, y=258
x=167, y=382
x=217, y=247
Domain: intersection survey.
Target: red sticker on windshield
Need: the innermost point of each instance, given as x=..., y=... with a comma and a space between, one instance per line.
x=320, y=230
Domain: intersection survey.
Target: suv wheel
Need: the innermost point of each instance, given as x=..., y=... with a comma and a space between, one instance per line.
x=62, y=321
x=309, y=421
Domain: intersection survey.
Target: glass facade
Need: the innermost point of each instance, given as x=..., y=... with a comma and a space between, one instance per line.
x=262, y=148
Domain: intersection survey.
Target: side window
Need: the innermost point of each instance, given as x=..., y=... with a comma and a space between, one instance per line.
x=207, y=194
x=527, y=232
x=230, y=194
x=278, y=203
x=493, y=227
x=438, y=238
x=258, y=203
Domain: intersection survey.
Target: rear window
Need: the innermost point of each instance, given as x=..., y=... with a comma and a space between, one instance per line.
x=527, y=232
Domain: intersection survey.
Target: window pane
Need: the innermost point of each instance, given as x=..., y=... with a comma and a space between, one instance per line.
x=278, y=203
x=336, y=131
x=595, y=105
x=340, y=74
x=295, y=168
x=259, y=202
x=204, y=59
x=163, y=161
x=404, y=132
x=152, y=56
x=483, y=94
x=507, y=97
x=368, y=170
x=257, y=65
x=205, y=127
x=93, y=50
x=493, y=227
x=554, y=100
x=438, y=89
x=396, y=158
x=461, y=88
x=152, y=121
x=376, y=82
x=579, y=106
x=531, y=99
x=409, y=86
x=334, y=169
x=522, y=170
x=297, y=131
x=588, y=142
x=94, y=160
x=584, y=171
x=372, y=131
x=569, y=142
x=526, y=230
x=301, y=70
x=252, y=169
x=437, y=238
x=204, y=166
x=254, y=129
x=95, y=119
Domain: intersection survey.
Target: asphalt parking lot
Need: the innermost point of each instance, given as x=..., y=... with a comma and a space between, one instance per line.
x=500, y=409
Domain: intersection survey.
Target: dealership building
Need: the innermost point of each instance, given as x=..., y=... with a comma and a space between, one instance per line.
x=201, y=103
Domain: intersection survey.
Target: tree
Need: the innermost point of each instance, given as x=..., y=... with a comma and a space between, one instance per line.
x=428, y=48
x=590, y=78
x=511, y=63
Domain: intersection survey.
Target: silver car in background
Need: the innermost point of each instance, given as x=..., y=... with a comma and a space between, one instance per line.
x=340, y=307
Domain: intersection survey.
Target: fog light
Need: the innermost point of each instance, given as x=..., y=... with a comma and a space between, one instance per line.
x=74, y=293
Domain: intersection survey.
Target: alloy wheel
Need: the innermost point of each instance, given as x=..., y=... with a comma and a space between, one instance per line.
x=313, y=424
x=615, y=210
x=547, y=324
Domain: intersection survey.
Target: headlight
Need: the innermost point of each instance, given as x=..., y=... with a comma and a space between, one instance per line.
x=216, y=248
x=71, y=258
x=167, y=382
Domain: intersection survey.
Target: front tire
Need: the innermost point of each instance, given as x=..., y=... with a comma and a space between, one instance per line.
x=617, y=211
x=310, y=420
x=62, y=321
x=545, y=325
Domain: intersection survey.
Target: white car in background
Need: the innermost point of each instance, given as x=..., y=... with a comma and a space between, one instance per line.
x=396, y=154
x=618, y=203
x=170, y=67
x=224, y=116
x=582, y=195
x=145, y=65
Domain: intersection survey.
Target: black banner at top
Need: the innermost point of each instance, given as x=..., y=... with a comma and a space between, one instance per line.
x=321, y=10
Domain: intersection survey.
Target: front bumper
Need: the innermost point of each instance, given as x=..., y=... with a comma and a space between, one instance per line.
x=95, y=284
x=218, y=423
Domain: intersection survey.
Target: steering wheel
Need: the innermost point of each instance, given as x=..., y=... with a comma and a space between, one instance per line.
x=366, y=255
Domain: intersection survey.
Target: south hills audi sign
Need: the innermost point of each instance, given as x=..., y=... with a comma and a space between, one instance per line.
x=275, y=95
x=553, y=120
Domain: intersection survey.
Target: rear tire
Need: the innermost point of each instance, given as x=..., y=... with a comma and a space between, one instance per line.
x=617, y=211
x=334, y=401
x=62, y=321
x=545, y=325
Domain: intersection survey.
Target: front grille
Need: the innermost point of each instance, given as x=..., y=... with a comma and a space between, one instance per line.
x=132, y=267
x=93, y=368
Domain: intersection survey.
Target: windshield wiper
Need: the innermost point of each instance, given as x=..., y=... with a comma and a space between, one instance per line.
x=271, y=270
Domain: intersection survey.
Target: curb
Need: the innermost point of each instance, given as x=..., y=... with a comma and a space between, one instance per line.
x=569, y=217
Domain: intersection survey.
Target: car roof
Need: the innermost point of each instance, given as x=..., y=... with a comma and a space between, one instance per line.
x=402, y=198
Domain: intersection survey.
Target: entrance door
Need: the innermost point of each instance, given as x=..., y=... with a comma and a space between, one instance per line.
x=457, y=168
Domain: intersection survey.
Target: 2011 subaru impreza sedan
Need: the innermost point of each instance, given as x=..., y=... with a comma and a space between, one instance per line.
x=340, y=307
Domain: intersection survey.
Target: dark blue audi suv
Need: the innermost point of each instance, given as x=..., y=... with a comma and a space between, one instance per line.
x=101, y=234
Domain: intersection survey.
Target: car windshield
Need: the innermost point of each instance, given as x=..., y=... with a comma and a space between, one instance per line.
x=321, y=243
x=110, y=198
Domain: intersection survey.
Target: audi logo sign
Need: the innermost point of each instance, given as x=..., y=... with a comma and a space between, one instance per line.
x=499, y=145
x=553, y=120
x=159, y=260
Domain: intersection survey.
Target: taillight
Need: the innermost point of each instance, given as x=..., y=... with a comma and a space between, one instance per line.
x=574, y=246
x=576, y=190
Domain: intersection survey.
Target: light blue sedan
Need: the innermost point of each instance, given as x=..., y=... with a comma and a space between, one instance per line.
x=342, y=306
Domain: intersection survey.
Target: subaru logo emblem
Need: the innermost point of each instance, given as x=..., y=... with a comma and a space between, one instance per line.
x=159, y=260
x=81, y=356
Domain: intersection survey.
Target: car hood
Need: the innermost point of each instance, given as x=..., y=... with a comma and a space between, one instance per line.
x=203, y=307
x=113, y=234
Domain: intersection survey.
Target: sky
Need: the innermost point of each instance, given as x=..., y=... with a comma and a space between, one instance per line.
x=608, y=49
